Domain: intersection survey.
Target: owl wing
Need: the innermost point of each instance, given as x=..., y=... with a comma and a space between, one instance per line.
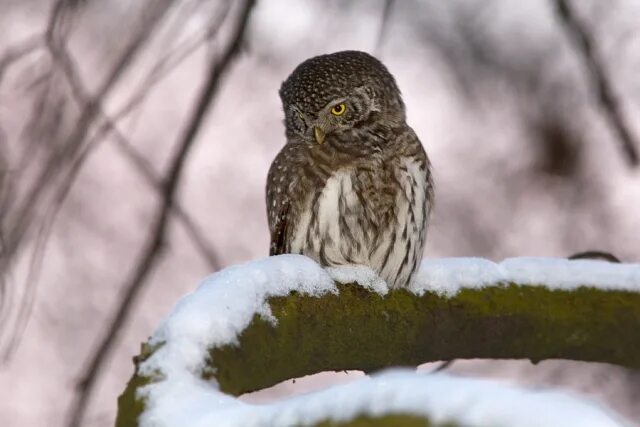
x=279, y=234
x=279, y=200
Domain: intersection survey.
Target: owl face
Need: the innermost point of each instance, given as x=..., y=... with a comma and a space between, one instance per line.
x=338, y=115
x=339, y=92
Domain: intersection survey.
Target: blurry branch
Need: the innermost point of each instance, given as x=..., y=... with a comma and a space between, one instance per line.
x=70, y=72
x=9, y=57
x=59, y=21
x=204, y=247
x=384, y=25
x=5, y=195
x=63, y=163
x=109, y=125
x=166, y=64
x=62, y=60
x=163, y=67
x=217, y=68
x=17, y=52
x=160, y=70
x=14, y=231
x=608, y=101
x=459, y=35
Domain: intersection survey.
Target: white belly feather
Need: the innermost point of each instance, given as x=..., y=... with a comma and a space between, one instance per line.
x=391, y=255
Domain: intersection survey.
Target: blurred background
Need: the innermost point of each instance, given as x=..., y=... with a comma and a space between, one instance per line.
x=135, y=139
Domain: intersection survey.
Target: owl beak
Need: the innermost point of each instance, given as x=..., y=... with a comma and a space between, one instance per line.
x=319, y=134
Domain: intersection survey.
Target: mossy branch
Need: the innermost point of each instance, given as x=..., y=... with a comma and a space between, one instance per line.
x=360, y=329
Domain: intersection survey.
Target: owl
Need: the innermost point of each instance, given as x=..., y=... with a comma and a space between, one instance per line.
x=352, y=184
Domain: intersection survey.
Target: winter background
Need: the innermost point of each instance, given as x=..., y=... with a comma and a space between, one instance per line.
x=526, y=162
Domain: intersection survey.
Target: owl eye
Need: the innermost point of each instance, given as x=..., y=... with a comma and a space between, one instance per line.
x=338, y=110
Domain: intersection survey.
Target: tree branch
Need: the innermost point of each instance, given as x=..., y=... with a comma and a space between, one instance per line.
x=152, y=248
x=360, y=329
x=601, y=83
x=19, y=51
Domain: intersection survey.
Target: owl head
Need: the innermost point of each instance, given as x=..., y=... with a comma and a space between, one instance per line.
x=339, y=92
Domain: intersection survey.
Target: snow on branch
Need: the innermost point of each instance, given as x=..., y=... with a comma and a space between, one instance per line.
x=393, y=398
x=253, y=325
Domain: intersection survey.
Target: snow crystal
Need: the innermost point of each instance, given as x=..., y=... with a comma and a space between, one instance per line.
x=225, y=303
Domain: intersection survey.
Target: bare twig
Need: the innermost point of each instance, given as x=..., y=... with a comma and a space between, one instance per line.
x=152, y=248
x=599, y=79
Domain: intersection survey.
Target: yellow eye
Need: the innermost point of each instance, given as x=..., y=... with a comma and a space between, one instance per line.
x=338, y=110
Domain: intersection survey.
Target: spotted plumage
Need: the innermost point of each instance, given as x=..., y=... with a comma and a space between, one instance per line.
x=353, y=184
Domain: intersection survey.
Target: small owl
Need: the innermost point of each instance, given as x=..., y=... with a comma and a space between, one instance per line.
x=353, y=184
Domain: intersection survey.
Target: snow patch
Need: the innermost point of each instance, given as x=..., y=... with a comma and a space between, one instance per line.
x=564, y=274
x=360, y=274
x=447, y=276
x=440, y=397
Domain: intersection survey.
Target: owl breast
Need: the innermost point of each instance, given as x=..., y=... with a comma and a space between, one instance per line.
x=370, y=216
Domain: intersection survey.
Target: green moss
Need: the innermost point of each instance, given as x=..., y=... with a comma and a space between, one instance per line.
x=129, y=405
x=358, y=329
x=393, y=420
